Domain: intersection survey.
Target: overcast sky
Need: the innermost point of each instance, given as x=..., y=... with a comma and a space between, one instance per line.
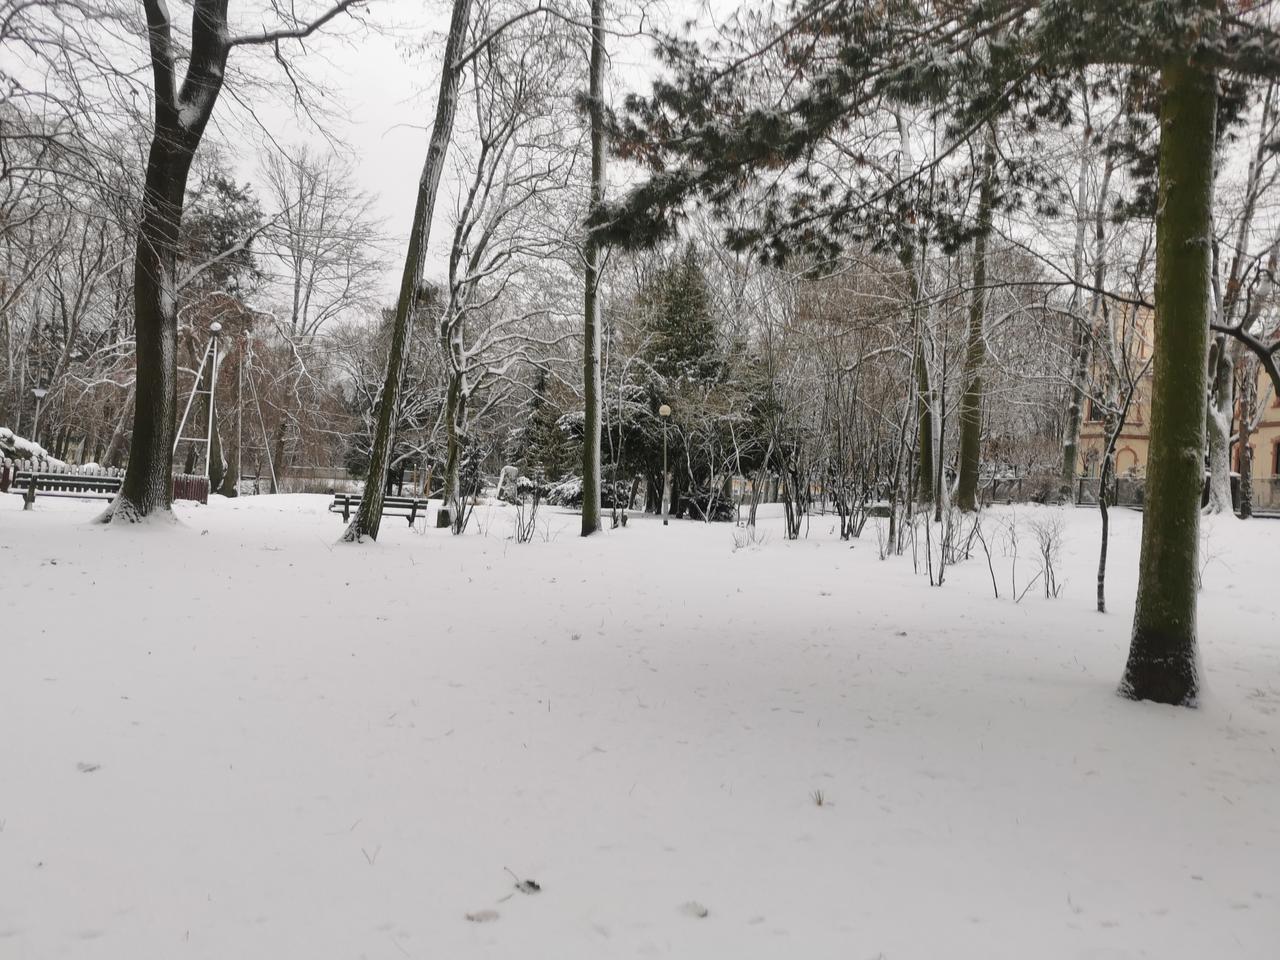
x=387, y=94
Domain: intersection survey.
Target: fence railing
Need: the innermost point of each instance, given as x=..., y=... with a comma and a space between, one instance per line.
x=190, y=486
x=1129, y=492
x=1126, y=491
x=1266, y=494
x=1010, y=488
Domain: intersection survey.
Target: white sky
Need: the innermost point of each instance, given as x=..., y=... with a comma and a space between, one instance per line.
x=387, y=96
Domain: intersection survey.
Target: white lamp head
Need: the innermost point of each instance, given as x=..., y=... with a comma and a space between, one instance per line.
x=664, y=411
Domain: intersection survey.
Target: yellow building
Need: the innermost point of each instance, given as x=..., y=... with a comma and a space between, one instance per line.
x=1131, y=447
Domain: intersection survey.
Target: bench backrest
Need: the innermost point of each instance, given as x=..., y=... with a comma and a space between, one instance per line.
x=354, y=499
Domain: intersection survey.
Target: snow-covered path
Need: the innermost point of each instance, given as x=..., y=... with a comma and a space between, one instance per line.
x=233, y=738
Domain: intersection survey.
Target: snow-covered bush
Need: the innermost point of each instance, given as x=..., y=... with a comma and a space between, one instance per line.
x=14, y=447
x=703, y=505
x=568, y=493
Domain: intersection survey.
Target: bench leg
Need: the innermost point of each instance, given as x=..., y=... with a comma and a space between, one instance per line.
x=29, y=498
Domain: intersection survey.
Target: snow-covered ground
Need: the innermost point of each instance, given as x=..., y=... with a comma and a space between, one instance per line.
x=235, y=739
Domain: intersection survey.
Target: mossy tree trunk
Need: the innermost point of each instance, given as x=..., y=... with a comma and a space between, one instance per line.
x=1163, y=662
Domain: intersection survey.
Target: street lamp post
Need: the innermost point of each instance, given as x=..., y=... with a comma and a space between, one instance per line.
x=664, y=412
x=39, y=393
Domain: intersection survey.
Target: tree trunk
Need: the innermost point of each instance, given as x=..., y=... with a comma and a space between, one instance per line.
x=1163, y=663
x=217, y=461
x=924, y=417
x=181, y=114
x=1080, y=350
x=591, y=299
x=1103, y=482
x=1075, y=410
x=369, y=517
x=278, y=457
x=148, y=485
x=216, y=464
x=455, y=412
x=230, y=485
x=115, y=448
x=1248, y=410
x=1220, y=408
x=1218, y=416
x=924, y=411
x=976, y=349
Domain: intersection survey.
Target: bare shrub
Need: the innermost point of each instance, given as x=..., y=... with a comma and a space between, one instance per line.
x=1047, y=529
x=526, y=515
x=749, y=536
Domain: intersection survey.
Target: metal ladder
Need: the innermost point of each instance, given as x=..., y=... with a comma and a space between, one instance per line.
x=210, y=358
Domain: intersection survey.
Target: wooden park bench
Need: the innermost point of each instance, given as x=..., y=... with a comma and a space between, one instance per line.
x=408, y=507
x=92, y=486
x=82, y=486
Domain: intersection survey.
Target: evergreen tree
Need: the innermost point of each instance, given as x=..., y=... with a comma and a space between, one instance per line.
x=683, y=328
x=543, y=441
x=222, y=219
x=706, y=134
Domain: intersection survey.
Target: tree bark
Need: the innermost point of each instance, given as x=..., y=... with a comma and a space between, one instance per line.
x=1218, y=417
x=923, y=403
x=369, y=517
x=1080, y=351
x=455, y=415
x=278, y=458
x=976, y=349
x=147, y=484
x=1163, y=663
x=115, y=447
x=591, y=299
x=230, y=485
x=1248, y=411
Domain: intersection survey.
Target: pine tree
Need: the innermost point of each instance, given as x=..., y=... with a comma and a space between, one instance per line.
x=683, y=347
x=706, y=134
x=542, y=442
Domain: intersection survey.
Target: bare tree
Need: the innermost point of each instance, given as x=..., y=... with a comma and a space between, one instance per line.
x=369, y=517
x=508, y=225
x=182, y=111
x=591, y=260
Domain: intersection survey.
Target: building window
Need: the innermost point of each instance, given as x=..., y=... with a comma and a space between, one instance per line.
x=1093, y=412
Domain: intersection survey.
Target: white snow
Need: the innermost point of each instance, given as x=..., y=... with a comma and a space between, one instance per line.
x=237, y=739
x=14, y=445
